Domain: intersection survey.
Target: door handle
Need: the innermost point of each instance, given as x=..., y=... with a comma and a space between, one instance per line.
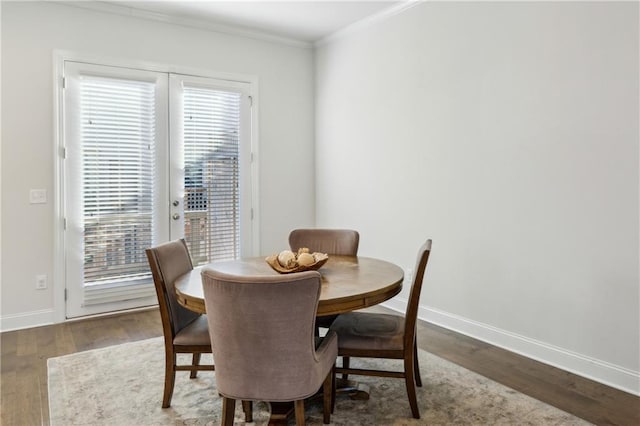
x=176, y=203
x=175, y=216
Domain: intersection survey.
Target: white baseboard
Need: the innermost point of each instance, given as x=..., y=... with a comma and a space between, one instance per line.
x=48, y=317
x=601, y=371
x=26, y=320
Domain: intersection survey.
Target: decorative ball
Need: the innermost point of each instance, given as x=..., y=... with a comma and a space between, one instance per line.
x=287, y=259
x=306, y=259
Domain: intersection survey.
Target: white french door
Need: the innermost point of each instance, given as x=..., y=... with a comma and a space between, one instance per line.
x=131, y=183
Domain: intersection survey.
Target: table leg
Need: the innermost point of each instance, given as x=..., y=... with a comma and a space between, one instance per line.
x=282, y=411
x=353, y=389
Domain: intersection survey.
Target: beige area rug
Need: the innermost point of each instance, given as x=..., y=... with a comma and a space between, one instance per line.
x=123, y=384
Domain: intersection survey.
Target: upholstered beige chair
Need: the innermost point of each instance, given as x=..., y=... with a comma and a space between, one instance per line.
x=372, y=335
x=264, y=347
x=341, y=242
x=184, y=331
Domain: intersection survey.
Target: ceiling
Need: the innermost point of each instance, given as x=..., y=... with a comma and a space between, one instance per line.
x=302, y=20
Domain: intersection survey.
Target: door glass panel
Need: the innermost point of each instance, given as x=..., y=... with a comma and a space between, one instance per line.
x=211, y=173
x=118, y=142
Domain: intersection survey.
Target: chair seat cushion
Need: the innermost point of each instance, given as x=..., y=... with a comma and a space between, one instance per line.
x=196, y=333
x=369, y=331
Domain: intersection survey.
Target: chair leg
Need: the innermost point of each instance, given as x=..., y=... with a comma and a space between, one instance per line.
x=333, y=388
x=300, y=412
x=416, y=367
x=345, y=364
x=228, y=411
x=327, y=397
x=195, y=361
x=247, y=407
x=410, y=382
x=169, y=378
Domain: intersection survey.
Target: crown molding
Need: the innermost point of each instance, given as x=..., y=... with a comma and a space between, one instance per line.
x=368, y=22
x=235, y=30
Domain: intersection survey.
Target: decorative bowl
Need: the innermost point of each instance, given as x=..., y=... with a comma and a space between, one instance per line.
x=321, y=259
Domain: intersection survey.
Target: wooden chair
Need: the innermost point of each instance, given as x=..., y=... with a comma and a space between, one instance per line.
x=372, y=335
x=265, y=350
x=184, y=331
x=341, y=242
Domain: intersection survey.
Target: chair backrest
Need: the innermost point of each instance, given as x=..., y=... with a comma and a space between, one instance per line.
x=411, y=315
x=342, y=242
x=168, y=261
x=262, y=330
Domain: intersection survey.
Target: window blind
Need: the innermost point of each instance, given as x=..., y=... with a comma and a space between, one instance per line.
x=117, y=140
x=211, y=154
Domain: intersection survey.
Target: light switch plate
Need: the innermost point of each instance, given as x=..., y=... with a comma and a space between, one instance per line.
x=38, y=196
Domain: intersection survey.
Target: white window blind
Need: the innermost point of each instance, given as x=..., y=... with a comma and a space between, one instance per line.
x=117, y=140
x=211, y=176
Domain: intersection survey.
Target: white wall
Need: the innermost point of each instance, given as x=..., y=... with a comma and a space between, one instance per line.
x=508, y=133
x=31, y=32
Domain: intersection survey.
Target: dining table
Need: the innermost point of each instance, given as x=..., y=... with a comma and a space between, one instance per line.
x=348, y=283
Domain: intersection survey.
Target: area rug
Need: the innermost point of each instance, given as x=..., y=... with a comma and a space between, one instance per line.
x=123, y=384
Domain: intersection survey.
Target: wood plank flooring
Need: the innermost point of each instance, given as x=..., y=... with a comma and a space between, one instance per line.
x=23, y=366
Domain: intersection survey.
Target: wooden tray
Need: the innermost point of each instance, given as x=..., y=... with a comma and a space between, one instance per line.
x=321, y=260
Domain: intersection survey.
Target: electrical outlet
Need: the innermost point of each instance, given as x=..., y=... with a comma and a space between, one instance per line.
x=38, y=196
x=41, y=282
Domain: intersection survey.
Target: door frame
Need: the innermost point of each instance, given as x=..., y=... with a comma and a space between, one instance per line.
x=59, y=58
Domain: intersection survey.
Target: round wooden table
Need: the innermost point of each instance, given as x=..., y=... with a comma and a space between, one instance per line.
x=348, y=282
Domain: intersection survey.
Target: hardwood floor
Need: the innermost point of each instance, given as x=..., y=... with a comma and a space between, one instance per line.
x=23, y=379
x=592, y=401
x=23, y=363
